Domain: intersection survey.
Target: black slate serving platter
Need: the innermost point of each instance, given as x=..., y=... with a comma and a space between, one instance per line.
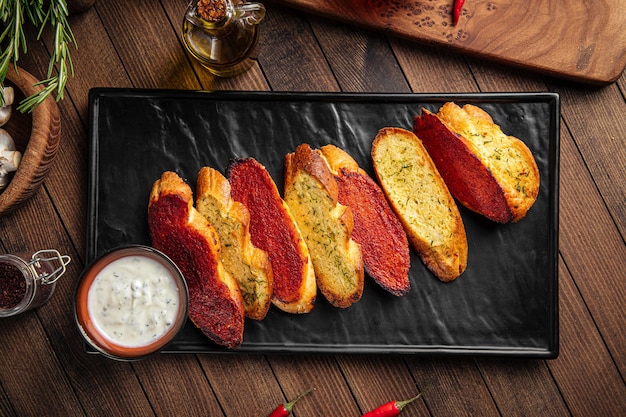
x=505, y=304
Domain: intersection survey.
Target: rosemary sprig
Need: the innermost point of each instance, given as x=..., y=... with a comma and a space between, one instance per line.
x=14, y=14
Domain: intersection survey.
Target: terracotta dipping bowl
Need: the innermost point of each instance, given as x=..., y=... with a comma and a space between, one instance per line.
x=88, y=315
x=36, y=136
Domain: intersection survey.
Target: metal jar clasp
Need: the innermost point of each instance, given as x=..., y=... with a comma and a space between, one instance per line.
x=58, y=261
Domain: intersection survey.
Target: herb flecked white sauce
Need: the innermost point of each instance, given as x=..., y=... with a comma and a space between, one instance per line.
x=133, y=301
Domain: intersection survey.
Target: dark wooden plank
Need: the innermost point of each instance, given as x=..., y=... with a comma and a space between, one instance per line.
x=591, y=245
x=333, y=395
x=67, y=189
x=431, y=70
x=500, y=78
x=523, y=387
x=376, y=380
x=456, y=387
x=30, y=373
x=6, y=409
x=598, y=125
x=161, y=377
x=244, y=385
x=290, y=55
x=96, y=61
x=361, y=61
x=147, y=44
x=588, y=379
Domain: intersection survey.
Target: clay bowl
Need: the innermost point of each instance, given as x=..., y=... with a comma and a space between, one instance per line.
x=36, y=135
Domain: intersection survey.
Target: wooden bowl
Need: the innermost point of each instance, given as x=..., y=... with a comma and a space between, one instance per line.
x=36, y=135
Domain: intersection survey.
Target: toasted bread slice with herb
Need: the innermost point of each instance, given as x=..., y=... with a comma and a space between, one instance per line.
x=487, y=171
x=326, y=225
x=249, y=265
x=183, y=234
x=376, y=227
x=274, y=230
x=421, y=200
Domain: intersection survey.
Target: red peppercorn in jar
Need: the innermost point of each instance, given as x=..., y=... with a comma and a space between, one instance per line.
x=27, y=280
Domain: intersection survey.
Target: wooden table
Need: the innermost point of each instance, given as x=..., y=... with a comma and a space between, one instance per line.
x=136, y=44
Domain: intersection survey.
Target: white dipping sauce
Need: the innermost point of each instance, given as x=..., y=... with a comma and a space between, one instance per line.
x=133, y=301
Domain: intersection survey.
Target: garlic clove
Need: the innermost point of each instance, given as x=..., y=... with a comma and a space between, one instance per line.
x=9, y=161
x=6, y=100
x=6, y=141
x=8, y=95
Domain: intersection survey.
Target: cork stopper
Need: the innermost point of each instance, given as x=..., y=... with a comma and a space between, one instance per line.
x=212, y=10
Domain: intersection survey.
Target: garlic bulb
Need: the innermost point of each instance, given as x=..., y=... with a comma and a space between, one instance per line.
x=10, y=158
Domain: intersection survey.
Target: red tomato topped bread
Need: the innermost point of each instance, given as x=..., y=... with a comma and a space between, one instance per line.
x=326, y=225
x=183, y=234
x=487, y=171
x=421, y=200
x=249, y=265
x=376, y=228
x=273, y=229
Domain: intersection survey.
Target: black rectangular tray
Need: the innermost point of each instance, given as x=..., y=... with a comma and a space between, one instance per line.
x=504, y=304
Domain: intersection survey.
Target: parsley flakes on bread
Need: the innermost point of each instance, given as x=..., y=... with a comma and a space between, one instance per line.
x=421, y=201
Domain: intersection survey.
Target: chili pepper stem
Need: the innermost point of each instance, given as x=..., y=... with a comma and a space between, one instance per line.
x=290, y=404
x=401, y=404
x=404, y=403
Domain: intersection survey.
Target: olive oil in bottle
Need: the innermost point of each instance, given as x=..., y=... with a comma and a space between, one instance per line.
x=222, y=34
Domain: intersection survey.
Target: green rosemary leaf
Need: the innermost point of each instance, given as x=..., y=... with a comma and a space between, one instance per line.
x=54, y=12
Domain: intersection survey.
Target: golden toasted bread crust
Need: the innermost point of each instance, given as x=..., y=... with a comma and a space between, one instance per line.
x=273, y=229
x=376, y=227
x=467, y=178
x=506, y=157
x=183, y=234
x=421, y=201
x=245, y=262
x=326, y=225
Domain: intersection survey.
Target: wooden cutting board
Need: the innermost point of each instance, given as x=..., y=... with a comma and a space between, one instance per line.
x=583, y=40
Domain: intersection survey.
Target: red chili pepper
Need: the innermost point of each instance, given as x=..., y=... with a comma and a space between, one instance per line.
x=456, y=11
x=392, y=408
x=284, y=410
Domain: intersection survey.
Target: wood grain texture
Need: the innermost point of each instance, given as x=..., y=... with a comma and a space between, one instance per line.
x=588, y=245
x=298, y=374
x=457, y=387
x=290, y=56
x=588, y=379
x=305, y=52
x=244, y=385
x=160, y=378
x=578, y=40
x=35, y=364
x=363, y=374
